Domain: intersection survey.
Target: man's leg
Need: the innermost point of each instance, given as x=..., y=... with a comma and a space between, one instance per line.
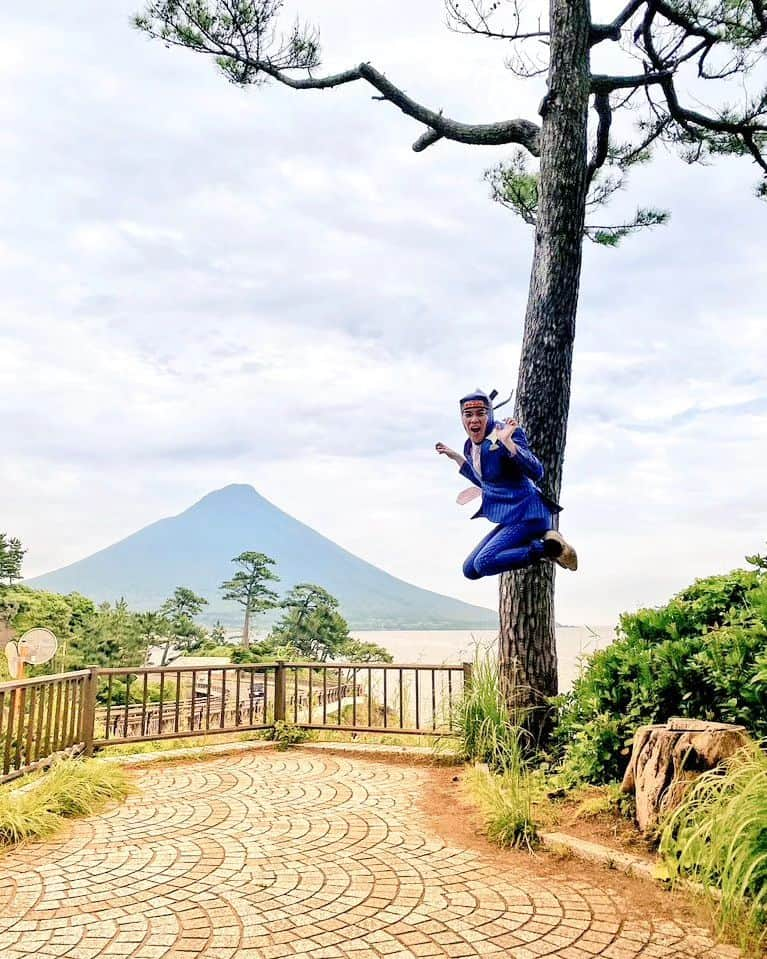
x=469, y=568
x=509, y=547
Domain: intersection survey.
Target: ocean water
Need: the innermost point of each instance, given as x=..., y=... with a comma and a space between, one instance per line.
x=457, y=645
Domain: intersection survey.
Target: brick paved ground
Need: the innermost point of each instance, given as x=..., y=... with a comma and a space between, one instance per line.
x=272, y=854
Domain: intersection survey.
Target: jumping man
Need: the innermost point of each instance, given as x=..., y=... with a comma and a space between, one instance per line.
x=497, y=459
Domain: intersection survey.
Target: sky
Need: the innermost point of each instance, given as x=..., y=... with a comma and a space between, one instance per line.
x=202, y=285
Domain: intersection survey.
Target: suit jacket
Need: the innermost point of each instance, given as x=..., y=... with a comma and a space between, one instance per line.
x=509, y=493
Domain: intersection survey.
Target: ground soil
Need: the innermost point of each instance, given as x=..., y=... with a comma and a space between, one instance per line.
x=457, y=820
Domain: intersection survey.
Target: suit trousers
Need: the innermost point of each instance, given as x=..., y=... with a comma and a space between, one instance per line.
x=507, y=547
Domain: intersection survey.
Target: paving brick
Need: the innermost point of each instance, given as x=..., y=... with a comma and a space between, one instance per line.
x=262, y=855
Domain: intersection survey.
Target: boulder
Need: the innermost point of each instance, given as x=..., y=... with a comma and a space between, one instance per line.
x=666, y=758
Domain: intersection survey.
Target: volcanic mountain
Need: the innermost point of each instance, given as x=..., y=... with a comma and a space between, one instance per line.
x=196, y=547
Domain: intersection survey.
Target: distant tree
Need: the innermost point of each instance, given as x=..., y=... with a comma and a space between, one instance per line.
x=111, y=637
x=179, y=612
x=313, y=626
x=11, y=558
x=248, y=587
x=357, y=651
x=154, y=629
x=218, y=634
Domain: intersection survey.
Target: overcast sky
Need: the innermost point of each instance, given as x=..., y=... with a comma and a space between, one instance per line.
x=202, y=285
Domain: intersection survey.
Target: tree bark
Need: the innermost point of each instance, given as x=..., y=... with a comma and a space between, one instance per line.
x=246, y=629
x=527, y=638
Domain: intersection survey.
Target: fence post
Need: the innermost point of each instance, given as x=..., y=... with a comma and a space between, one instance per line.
x=466, y=677
x=280, y=687
x=88, y=715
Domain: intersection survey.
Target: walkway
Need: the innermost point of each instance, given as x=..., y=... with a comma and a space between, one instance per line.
x=266, y=855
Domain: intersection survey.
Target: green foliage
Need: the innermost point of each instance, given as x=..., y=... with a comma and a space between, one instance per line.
x=133, y=691
x=107, y=635
x=703, y=655
x=174, y=624
x=515, y=186
x=358, y=651
x=288, y=734
x=507, y=803
x=11, y=558
x=248, y=586
x=718, y=838
x=484, y=723
x=111, y=636
x=311, y=623
x=71, y=788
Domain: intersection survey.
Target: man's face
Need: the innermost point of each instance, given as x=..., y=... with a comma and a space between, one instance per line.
x=475, y=421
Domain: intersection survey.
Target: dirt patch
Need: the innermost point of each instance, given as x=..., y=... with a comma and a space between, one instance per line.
x=585, y=815
x=457, y=821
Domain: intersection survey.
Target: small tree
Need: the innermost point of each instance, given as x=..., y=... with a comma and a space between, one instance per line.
x=11, y=558
x=248, y=587
x=179, y=612
x=154, y=629
x=110, y=637
x=312, y=624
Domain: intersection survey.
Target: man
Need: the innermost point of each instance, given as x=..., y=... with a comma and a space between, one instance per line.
x=498, y=460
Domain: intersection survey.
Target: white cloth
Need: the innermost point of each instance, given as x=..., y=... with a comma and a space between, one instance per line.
x=476, y=461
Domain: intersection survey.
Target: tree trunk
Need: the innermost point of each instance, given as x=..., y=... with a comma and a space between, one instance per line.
x=527, y=638
x=246, y=629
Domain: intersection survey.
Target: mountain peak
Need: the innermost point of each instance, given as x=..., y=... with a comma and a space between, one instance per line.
x=234, y=495
x=195, y=548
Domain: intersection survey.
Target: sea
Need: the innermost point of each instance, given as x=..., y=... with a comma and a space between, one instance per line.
x=441, y=646
x=574, y=644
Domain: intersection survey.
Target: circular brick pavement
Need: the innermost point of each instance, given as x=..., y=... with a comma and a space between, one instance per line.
x=267, y=855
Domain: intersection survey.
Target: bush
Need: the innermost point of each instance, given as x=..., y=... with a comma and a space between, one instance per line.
x=119, y=692
x=73, y=787
x=287, y=734
x=718, y=837
x=703, y=655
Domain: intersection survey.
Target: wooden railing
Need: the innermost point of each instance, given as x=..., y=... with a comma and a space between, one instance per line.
x=190, y=701
x=41, y=719
x=95, y=707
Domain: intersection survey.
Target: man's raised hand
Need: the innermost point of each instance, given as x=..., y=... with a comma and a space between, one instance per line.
x=451, y=454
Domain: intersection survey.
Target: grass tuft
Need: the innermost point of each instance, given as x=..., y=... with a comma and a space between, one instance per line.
x=506, y=802
x=718, y=838
x=72, y=787
x=487, y=728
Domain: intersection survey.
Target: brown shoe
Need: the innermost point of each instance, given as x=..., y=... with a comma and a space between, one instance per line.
x=556, y=547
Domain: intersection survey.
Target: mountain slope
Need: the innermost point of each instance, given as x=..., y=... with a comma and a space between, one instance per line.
x=196, y=547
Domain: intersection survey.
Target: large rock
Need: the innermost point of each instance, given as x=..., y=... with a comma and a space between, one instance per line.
x=665, y=759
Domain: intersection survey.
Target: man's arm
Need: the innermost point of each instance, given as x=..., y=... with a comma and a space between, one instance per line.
x=515, y=444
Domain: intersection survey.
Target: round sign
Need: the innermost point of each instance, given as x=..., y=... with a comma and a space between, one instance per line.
x=37, y=646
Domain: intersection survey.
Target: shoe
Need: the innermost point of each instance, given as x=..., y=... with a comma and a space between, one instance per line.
x=556, y=547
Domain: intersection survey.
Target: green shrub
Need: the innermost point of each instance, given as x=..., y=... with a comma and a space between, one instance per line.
x=287, y=734
x=702, y=655
x=119, y=692
x=718, y=837
x=72, y=787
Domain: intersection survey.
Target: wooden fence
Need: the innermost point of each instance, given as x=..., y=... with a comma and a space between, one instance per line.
x=43, y=718
x=96, y=707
